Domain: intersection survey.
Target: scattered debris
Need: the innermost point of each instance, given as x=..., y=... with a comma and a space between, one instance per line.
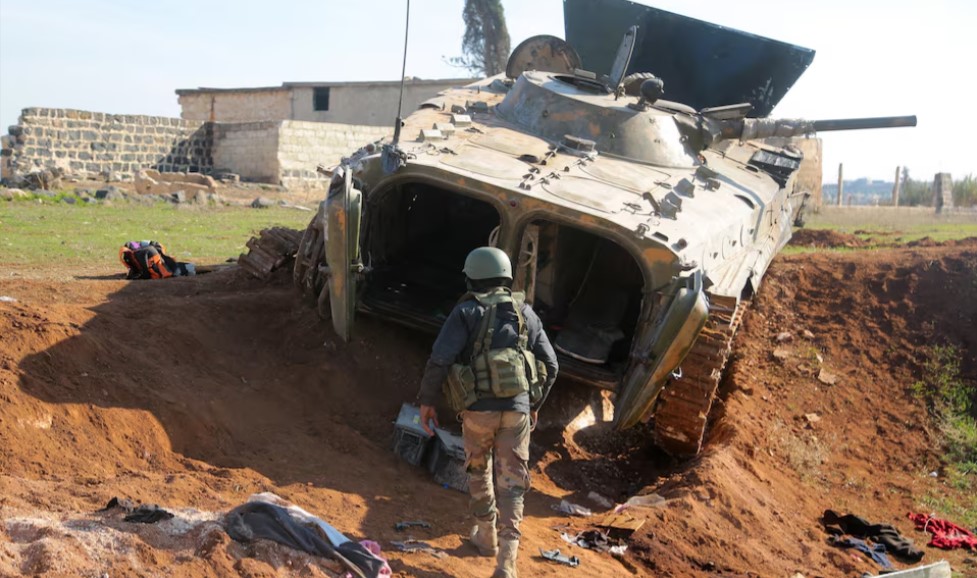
x=571, y=509
x=411, y=546
x=600, y=500
x=645, y=500
x=401, y=526
x=153, y=182
x=621, y=522
x=271, y=249
x=556, y=556
x=594, y=540
x=939, y=570
x=826, y=377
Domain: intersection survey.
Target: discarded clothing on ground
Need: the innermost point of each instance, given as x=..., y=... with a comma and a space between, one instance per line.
x=876, y=552
x=262, y=520
x=885, y=534
x=946, y=535
x=142, y=514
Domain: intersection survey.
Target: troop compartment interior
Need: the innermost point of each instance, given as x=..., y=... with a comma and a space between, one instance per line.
x=588, y=292
x=586, y=289
x=416, y=237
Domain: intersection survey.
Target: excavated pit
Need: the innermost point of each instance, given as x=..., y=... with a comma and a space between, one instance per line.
x=195, y=393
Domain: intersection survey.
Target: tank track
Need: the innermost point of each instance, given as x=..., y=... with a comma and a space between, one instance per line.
x=683, y=408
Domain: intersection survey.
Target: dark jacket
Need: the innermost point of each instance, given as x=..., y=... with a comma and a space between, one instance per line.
x=456, y=342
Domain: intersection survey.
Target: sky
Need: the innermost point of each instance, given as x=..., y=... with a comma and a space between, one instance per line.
x=873, y=58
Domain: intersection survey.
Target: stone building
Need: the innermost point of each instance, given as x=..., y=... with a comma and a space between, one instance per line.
x=355, y=103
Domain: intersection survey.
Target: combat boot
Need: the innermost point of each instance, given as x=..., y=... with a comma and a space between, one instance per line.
x=484, y=538
x=506, y=562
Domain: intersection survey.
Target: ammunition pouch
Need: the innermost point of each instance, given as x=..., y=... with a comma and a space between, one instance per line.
x=459, y=388
x=504, y=372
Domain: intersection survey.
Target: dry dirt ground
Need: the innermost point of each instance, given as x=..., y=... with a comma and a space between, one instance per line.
x=195, y=393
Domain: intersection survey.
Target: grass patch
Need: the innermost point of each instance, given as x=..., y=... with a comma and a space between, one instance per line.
x=953, y=403
x=33, y=234
x=887, y=225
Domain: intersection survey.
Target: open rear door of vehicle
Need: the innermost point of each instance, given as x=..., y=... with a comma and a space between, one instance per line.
x=343, y=212
x=665, y=344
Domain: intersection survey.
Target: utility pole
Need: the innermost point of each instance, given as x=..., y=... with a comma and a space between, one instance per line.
x=895, y=188
x=841, y=182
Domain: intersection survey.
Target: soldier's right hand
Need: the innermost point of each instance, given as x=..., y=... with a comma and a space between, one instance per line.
x=428, y=415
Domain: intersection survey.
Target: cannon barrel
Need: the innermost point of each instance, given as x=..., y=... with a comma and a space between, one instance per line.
x=758, y=128
x=862, y=123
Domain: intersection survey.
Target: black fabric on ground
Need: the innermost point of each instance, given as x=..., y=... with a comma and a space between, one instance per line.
x=885, y=534
x=148, y=514
x=143, y=514
x=259, y=520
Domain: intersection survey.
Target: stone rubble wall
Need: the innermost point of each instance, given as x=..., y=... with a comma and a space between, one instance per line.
x=89, y=144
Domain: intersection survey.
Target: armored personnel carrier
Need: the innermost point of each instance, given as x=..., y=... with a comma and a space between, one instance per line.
x=638, y=227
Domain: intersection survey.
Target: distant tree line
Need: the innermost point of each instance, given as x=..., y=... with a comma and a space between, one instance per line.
x=920, y=192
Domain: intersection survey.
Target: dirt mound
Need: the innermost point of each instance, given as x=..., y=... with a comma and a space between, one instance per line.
x=196, y=393
x=824, y=239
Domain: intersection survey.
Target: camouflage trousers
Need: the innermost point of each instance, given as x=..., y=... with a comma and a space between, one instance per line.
x=499, y=439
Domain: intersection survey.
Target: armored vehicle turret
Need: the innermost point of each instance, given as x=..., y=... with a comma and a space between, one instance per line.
x=638, y=228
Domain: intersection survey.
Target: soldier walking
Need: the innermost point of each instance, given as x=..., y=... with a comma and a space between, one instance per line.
x=496, y=365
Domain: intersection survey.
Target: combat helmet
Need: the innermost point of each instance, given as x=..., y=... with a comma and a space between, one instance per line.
x=487, y=263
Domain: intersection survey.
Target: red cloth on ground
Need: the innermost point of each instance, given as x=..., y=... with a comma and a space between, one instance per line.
x=946, y=535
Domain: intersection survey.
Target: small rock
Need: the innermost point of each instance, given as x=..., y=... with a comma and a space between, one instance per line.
x=784, y=336
x=781, y=354
x=261, y=203
x=215, y=198
x=812, y=418
x=83, y=193
x=199, y=198
x=807, y=334
x=110, y=193
x=69, y=200
x=826, y=377
x=178, y=197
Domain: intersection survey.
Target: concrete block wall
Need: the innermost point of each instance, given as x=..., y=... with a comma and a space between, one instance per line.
x=303, y=145
x=248, y=105
x=249, y=149
x=86, y=144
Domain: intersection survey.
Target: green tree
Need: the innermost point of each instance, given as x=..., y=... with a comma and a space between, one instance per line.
x=915, y=192
x=965, y=192
x=485, y=46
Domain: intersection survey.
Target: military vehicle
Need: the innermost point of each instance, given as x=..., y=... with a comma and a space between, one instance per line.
x=638, y=227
